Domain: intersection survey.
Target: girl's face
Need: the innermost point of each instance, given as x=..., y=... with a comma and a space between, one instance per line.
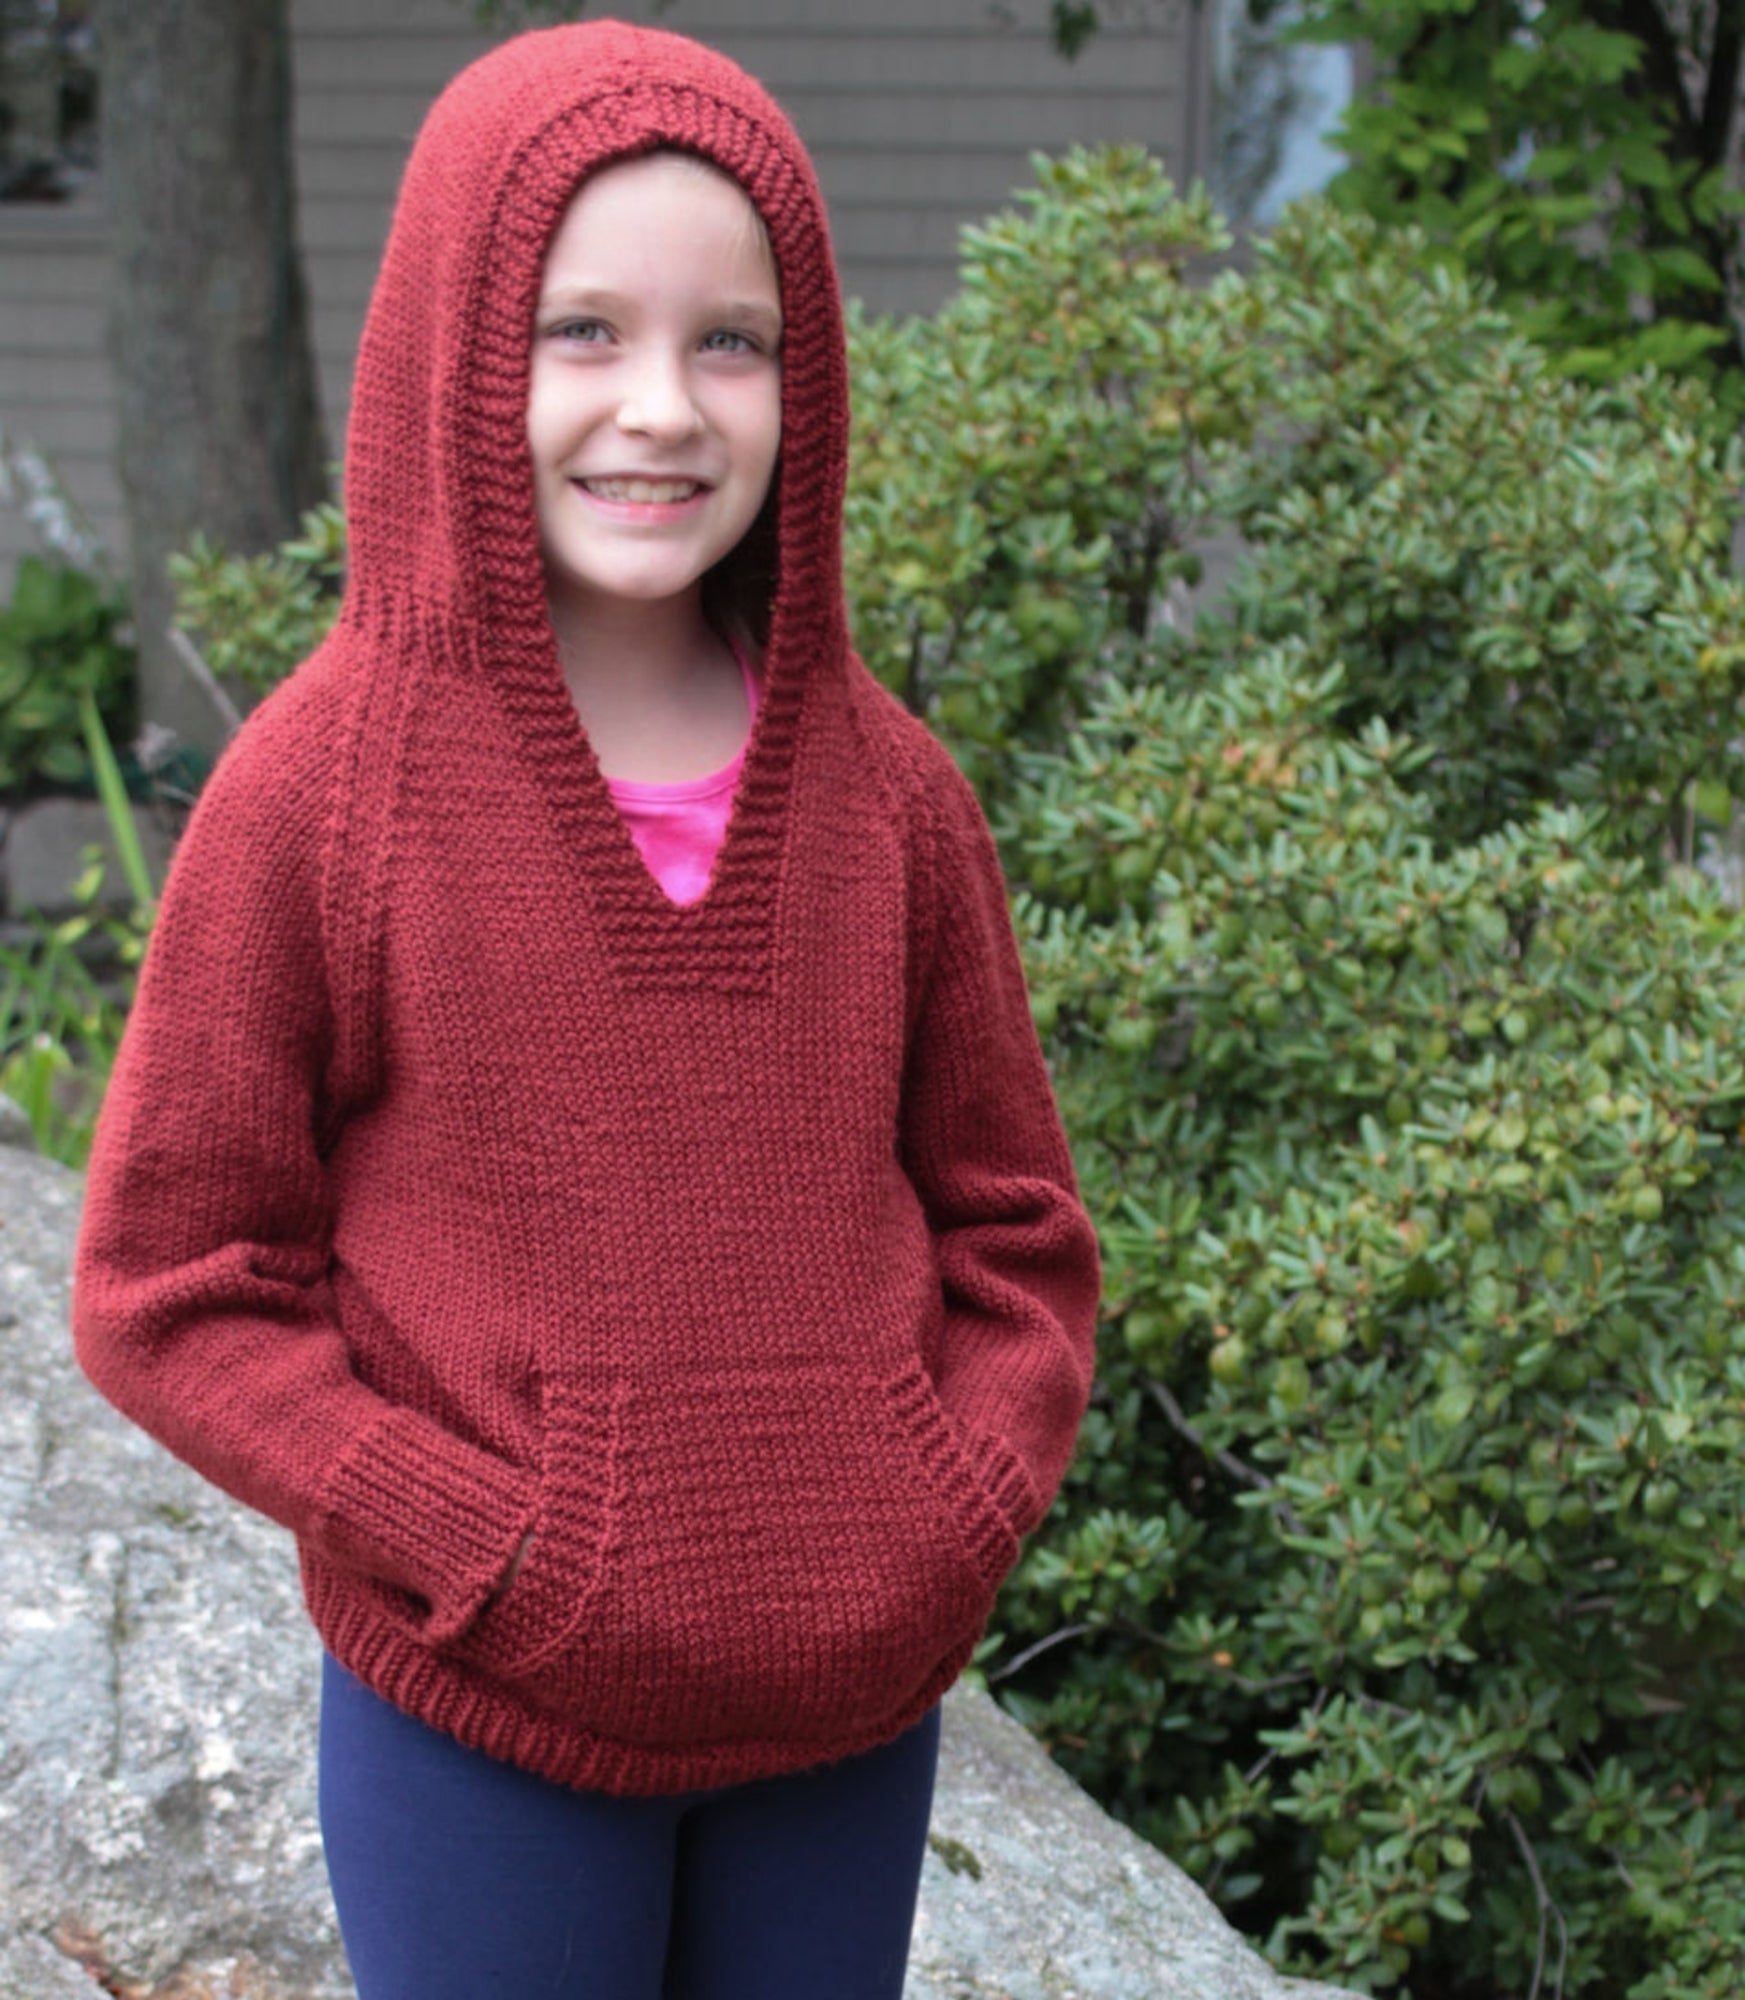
x=654, y=412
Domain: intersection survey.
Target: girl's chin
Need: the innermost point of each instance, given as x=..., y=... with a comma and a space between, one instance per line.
x=621, y=597
x=648, y=572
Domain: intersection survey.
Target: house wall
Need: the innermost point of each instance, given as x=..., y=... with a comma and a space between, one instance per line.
x=920, y=114
x=55, y=390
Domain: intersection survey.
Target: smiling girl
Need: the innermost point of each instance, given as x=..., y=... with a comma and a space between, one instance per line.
x=653, y=418
x=580, y=1157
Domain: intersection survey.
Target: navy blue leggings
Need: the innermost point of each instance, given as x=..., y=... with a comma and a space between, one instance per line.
x=460, y=1878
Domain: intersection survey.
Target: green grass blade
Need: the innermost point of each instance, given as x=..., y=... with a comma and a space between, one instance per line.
x=113, y=792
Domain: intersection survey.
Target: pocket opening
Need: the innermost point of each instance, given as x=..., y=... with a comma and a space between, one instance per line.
x=559, y=1586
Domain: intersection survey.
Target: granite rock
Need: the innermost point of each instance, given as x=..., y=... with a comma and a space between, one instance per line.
x=157, y=1681
x=15, y=1127
x=1032, y=1892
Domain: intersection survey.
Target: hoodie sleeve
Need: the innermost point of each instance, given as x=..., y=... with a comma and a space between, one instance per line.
x=202, y=1307
x=983, y=1145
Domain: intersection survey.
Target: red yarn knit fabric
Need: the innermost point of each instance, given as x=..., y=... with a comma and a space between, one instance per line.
x=453, y=1182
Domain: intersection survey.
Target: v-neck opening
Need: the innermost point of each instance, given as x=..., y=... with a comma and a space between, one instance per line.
x=725, y=937
x=680, y=825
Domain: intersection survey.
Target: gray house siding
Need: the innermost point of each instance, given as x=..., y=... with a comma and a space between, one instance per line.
x=55, y=387
x=921, y=116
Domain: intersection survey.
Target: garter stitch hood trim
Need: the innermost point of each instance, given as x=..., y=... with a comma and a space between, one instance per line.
x=453, y=1182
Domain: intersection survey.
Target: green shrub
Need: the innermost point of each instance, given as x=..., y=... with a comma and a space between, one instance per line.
x=1407, y=1534
x=254, y=617
x=61, y=636
x=1396, y=1586
x=1578, y=154
x=1031, y=469
x=1528, y=575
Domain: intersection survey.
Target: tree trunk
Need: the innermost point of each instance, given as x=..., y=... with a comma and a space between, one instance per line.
x=220, y=429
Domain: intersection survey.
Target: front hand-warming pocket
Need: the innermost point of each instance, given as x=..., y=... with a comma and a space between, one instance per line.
x=795, y=1549
x=555, y=1596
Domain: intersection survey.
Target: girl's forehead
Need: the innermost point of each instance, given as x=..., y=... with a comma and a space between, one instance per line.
x=658, y=205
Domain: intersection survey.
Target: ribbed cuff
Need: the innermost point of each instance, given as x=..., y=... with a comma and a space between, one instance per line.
x=421, y=1508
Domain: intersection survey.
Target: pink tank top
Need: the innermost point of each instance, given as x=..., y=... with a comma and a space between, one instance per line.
x=678, y=829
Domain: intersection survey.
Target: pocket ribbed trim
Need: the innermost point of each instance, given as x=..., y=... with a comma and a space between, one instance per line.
x=979, y=1510
x=559, y=1586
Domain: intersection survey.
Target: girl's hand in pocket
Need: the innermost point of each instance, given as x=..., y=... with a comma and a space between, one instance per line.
x=515, y=1567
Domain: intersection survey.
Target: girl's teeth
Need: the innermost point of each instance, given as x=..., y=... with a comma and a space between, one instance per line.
x=642, y=492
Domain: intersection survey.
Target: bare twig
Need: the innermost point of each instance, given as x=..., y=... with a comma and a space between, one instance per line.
x=1246, y=1686
x=1373, y=1705
x=1244, y=1475
x=1041, y=1646
x=1548, y=1911
x=1584, y=1607
x=189, y=655
x=1257, y=1771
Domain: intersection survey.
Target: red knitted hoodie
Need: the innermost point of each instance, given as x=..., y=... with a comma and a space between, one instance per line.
x=453, y=1182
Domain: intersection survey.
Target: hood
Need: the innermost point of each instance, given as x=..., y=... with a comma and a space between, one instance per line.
x=438, y=479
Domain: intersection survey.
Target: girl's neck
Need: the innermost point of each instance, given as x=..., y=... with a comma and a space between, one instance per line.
x=658, y=690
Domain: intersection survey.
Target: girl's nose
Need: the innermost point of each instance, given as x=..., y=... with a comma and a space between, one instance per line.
x=658, y=402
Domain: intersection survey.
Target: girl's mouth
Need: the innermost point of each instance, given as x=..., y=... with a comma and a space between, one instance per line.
x=642, y=492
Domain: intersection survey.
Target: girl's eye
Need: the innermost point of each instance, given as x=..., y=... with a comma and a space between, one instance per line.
x=726, y=340
x=585, y=331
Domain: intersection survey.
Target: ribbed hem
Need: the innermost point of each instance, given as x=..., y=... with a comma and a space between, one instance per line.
x=498, y=1720
x=416, y=1506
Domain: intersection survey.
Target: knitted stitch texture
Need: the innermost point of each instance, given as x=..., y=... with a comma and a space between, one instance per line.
x=454, y=1182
